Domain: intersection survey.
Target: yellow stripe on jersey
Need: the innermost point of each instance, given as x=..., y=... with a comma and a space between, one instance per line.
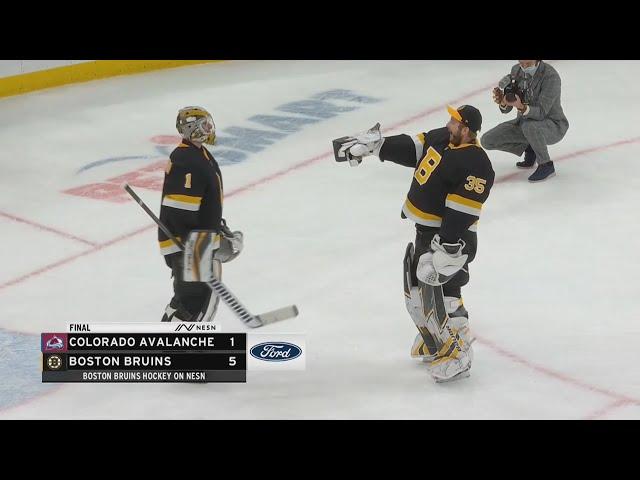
x=419, y=213
x=185, y=198
x=183, y=202
x=168, y=247
x=454, y=197
x=168, y=242
x=420, y=138
x=464, y=205
x=427, y=219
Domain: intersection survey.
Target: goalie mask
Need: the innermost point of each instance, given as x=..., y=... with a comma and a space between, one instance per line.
x=196, y=124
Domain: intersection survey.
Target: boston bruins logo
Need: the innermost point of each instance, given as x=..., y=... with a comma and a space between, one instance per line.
x=54, y=362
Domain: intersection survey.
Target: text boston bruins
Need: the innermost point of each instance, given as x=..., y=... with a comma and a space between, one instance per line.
x=116, y=361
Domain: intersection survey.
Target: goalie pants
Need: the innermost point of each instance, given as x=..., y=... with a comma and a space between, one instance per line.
x=452, y=288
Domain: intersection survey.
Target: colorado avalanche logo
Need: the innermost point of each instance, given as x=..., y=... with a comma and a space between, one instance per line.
x=55, y=343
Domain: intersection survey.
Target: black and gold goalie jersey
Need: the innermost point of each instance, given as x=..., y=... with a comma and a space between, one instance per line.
x=192, y=194
x=449, y=185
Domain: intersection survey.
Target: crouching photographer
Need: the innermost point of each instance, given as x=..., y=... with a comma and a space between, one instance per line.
x=533, y=88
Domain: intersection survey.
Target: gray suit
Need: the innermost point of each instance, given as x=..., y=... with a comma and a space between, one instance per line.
x=544, y=124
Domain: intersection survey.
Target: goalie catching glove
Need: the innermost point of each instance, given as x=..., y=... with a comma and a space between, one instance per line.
x=354, y=148
x=231, y=243
x=206, y=248
x=441, y=263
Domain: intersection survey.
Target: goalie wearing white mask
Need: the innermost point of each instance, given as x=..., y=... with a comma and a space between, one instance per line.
x=192, y=198
x=452, y=178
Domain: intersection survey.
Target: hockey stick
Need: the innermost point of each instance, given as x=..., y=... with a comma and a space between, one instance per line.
x=220, y=288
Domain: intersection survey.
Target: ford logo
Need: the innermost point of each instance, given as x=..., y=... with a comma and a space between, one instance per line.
x=275, y=351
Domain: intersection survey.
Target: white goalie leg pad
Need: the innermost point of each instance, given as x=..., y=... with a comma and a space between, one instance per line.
x=211, y=307
x=414, y=301
x=416, y=310
x=452, y=304
x=454, y=364
x=455, y=356
x=458, y=318
x=199, y=251
x=417, y=349
x=459, y=324
x=429, y=321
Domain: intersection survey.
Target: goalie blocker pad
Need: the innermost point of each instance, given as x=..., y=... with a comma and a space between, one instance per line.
x=372, y=138
x=199, y=251
x=341, y=150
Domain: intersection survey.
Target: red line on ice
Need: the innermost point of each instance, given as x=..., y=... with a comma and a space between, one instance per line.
x=46, y=229
x=568, y=156
x=620, y=399
x=606, y=409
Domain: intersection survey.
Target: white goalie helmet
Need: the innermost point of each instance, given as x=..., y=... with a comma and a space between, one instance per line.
x=196, y=124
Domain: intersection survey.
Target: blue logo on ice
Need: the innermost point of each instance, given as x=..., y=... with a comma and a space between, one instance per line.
x=21, y=368
x=276, y=351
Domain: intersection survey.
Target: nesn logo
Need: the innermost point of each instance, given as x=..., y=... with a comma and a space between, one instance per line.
x=55, y=343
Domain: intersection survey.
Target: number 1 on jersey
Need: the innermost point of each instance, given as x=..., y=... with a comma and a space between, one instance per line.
x=187, y=180
x=428, y=164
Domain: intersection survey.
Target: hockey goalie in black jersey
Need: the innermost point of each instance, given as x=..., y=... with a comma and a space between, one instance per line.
x=451, y=181
x=192, y=198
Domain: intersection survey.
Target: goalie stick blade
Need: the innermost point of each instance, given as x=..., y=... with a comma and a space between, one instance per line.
x=278, y=315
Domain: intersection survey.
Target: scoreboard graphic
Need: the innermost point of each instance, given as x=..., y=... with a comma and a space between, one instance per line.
x=139, y=353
